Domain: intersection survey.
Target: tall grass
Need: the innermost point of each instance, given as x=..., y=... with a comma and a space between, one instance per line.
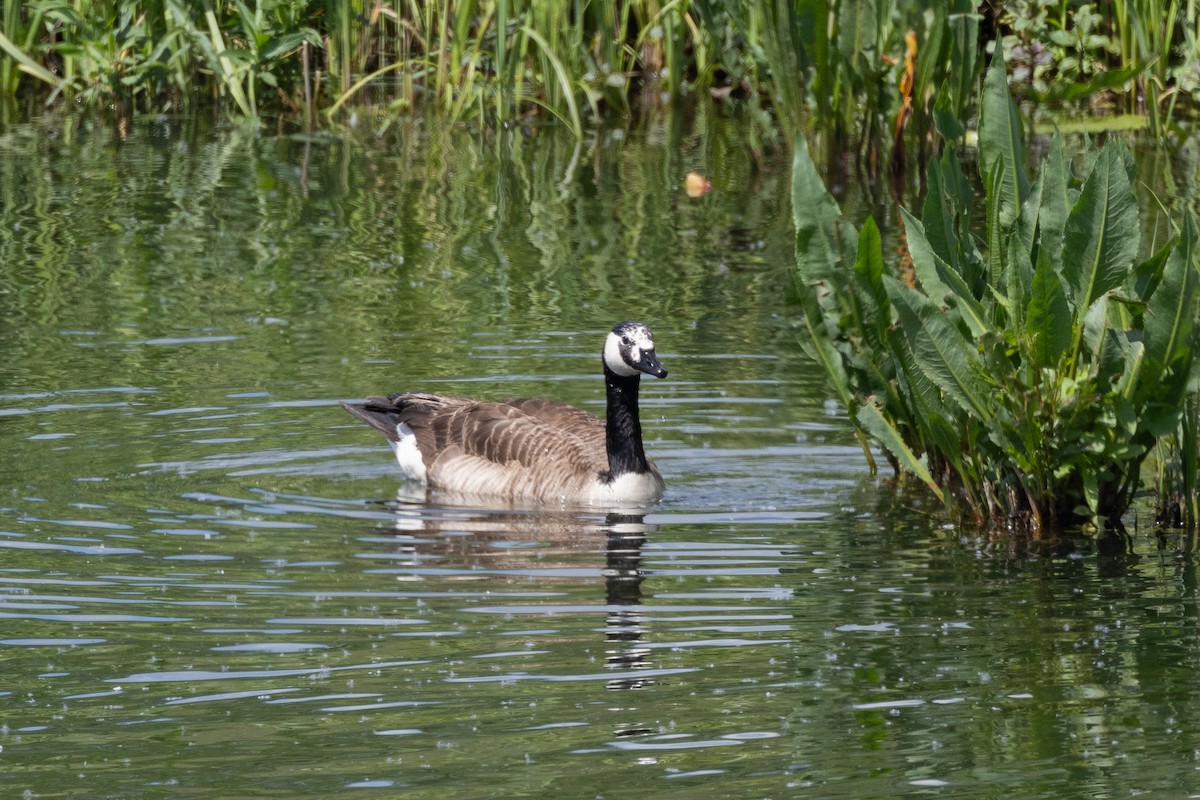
x=828, y=62
x=863, y=72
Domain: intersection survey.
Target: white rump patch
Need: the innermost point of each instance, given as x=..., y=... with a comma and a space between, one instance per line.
x=407, y=453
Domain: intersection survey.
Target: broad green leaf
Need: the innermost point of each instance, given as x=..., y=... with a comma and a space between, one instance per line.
x=1113, y=360
x=1163, y=416
x=818, y=345
x=996, y=232
x=1048, y=320
x=875, y=309
x=1018, y=283
x=958, y=198
x=882, y=430
x=858, y=21
x=281, y=45
x=816, y=216
x=1101, y=236
x=824, y=353
x=1134, y=357
x=923, y=397
x=1095, y=322
x=223, y=64
x=940, y=350
x=938, y=278
x=932, y=55
x=966, y=54
x=1002, y=143
x=1091, y=489
x=1149, y=273
x=937, y=215
x=1055, y=204
x=944, y=119
x=1026, y=227
x=1171, y=311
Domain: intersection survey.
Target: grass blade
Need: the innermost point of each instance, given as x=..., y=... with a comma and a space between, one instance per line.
x=27, y=64
x=229, y=78
x=572, y=119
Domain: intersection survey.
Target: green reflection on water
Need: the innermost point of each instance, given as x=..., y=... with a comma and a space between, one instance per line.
x=286, y=241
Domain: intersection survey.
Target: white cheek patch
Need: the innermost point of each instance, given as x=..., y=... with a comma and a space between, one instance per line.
x=612, y=357
x=408, y=455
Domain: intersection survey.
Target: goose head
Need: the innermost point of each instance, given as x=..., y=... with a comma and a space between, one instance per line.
x=629, y=351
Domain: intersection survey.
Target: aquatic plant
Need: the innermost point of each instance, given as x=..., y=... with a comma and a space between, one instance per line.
x=492, y=58
x=1029, y=371
x=1137, y=56
x=862, y=69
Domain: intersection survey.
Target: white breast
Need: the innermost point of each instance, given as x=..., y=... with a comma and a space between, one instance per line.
x=644, y=487
x=408, y=455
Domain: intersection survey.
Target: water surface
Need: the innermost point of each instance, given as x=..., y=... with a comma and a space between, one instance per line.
x=213, y=585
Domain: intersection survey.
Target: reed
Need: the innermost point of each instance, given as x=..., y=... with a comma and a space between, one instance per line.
x=863, y=72
x=1144, y=31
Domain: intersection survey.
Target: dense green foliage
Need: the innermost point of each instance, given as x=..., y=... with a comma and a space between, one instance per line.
x=862, y=70
x=1029, y=371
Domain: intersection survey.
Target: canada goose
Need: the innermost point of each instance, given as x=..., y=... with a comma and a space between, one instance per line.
x=529, y=448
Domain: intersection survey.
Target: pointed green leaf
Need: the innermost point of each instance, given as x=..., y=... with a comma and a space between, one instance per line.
x=996, y=231
x=1134, y=358
x=1002, y=142
x=1101, y=236
x=940, y=350
x=944, y=118
x=27, y=64
x=882, y=430
x=966, y=55
x=1049, y=318
x=1149, y=273
x=939, y=279
x=1055, y=205
x=1026, y=227
x=1091, y=489
x=1171, y=311
x=1095, y=322
x=919, y=392
x=857, y=30
x=818, y=345
x=1113, y=359
x=875, y=310
x=1018, y=283
x=938, y=216
x=817, y=218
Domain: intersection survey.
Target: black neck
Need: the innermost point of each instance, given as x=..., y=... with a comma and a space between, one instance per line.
x=623, y=434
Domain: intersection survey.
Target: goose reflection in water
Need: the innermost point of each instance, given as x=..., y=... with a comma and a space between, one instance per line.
x=484, y=539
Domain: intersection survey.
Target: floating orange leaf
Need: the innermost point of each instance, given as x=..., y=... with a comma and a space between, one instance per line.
x=696, y=185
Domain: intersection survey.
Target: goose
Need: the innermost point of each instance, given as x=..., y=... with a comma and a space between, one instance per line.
x=530, y=449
